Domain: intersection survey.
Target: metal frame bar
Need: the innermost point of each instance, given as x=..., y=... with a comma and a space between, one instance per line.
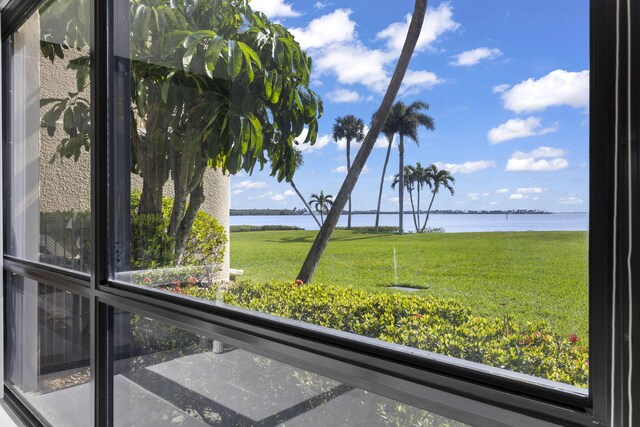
x=460, y=389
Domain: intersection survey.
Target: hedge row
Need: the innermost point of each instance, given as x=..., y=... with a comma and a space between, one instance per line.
x=439, y=325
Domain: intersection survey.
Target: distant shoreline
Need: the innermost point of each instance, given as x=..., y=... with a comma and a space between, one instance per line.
x=288, y=212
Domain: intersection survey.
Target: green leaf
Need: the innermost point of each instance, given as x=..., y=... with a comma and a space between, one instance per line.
x=165, y=86
x=256, y=133
x=68, y=121
x=277, y=89
x=141, y=23
x=250, y=53
x=268, y=83
x=234, y=59
x=216, y=44
x=172, y=41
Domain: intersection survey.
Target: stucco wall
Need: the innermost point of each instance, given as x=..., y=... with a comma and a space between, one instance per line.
x=65, y=185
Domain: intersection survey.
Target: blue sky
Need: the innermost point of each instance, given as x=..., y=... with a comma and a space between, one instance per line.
x=507, y=85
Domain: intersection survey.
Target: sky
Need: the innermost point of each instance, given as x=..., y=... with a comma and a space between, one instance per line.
x=507, y=84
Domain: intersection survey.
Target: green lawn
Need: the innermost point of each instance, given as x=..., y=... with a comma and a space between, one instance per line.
x=530, y=275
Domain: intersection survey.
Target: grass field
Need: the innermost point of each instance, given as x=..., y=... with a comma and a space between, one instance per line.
x=531, y=276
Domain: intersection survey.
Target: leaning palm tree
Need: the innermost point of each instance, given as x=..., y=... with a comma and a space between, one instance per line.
x=349, y=128
x=439, y=178
x=404, y=120
x=321, y=202
x=299, y=162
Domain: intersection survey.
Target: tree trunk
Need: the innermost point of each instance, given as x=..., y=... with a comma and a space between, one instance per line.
x=418, y=208
x=384, y=170
x=321, y=218
x=306, y=205
x=428, y=212
x=413, y=210
x=195, y=201
x=401, y=186
x=348, y=169
x=322, y=239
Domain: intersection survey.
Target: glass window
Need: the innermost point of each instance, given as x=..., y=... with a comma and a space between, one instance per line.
x=466, y=234
x=48, y=349
x=165, y=376
x=48, y=165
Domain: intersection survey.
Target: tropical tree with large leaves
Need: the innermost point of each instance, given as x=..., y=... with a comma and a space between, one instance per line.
x=213, y=84
x=440, y=178
x=350, y=128
x=321, y=203
x=405, y=121
x=321, y=241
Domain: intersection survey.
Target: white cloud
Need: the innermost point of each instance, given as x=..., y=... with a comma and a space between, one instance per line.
x=500, y=88
x=414, y=81
x=486, y=194
x=320, y=5
x=473, y=196
x=494, y=202
x=557, y=88
x=540, y=152
x=343, y=169
x=474, y=56
x=467, y=167
x=517, y=196
x=289, y=193
x=529, y=190
x=331, y=28
x=518, y=128
x=342, y=95
x=337, y=51
x=533, y=165
x=274, y=8
x=437, y=22
x=570, y=200
x=502, y=190
x=247, y=184
x=279, y=196
x=321, y=141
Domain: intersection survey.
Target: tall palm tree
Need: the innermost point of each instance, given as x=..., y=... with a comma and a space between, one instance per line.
x=439, y=178
x=404, y=120
x=389, y=133
x=299, y=163
x=321, y=202
x=422, y=178
x=350, y=128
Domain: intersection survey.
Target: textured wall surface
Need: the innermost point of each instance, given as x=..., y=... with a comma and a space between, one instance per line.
x=65, y=185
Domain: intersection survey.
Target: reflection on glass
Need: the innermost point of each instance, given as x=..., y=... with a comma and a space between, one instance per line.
x=470, y=244
x=166, y=376
x=48, y=350
x=49, y=127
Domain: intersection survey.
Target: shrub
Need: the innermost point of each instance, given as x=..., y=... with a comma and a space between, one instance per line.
x=439, y=325
x=152, y=248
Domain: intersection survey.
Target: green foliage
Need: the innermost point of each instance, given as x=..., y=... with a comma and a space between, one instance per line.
x=152, y=248
x=230, y=84
x=531, y=276
x=245, y=228
x=443, y=326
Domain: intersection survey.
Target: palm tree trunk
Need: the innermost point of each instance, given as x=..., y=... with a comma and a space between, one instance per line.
x=306, y=205
x=384, y=170
x=428, y=212
x=348, y=169
x=418, y=210
x=321, y=219
x=322, y=238
x=413, y=209
x=401, y=186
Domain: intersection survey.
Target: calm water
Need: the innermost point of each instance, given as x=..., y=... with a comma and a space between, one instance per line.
x=573, y=221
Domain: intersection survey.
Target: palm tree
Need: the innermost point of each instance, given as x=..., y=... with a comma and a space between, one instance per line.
x=388, y=132
x=321, y=203
x=404, y=120
x=422, y=178
x=439, y=178
x=321, y=241
x=299, y=163
x=409, y=177
x=350, y=128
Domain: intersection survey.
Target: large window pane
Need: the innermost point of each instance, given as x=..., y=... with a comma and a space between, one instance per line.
x=488, y=261
x=165, y=376
x=48, y=349
x=47, y=178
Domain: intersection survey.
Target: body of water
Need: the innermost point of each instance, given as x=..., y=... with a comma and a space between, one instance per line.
x=451, y=223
